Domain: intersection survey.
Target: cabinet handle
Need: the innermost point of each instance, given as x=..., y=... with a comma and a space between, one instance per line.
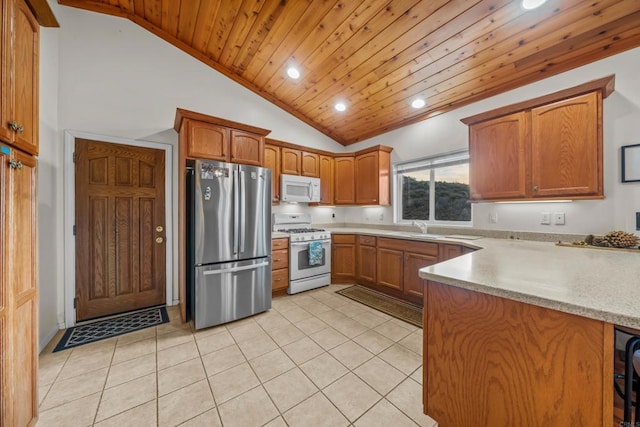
x=14, y=126
x=278, y=280
x=277, y=260
x=535, y=188
x=15, y=164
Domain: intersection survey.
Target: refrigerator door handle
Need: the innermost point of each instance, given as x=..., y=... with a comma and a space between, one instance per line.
x=243, y=208
x=236, y=210
x=234, y=269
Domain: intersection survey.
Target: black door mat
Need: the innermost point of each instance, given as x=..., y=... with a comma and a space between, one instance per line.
x=384, y=303
x=114, y=326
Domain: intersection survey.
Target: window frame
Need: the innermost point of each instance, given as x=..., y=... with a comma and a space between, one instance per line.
x=429, y=164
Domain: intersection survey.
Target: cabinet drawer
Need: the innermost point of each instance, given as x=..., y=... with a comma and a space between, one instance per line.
x=280, y=279
x=367, y=240
x=426, y=248
x=280, y=259
x=277, y=244
x=343, y=238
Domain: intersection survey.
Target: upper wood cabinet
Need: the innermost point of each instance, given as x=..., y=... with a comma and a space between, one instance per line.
x=247, y=148
x=272, y=161
x=207, y=141
x=291, y=161
x=372, y=176
x=498, y=153
x=545, y=148
x=310, y=164
x=213, y=138
x=19, y=41
x=566, y=148
x=326, y=180
x=344, y=181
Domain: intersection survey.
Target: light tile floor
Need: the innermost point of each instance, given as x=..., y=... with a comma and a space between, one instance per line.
x=315, y=359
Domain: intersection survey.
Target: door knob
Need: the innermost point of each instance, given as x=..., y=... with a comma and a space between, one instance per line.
x=159, y=240
x=159, y=228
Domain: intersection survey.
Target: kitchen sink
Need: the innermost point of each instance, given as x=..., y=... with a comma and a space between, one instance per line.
x=419, y=235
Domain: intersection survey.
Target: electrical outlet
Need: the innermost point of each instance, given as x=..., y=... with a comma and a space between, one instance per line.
x=545, y=218
x=381, y=217
x=493, y=218
x=558, y=218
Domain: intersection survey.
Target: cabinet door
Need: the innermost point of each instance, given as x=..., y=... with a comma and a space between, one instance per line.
x=413, y=284
x=567, y=148
x=367, y=176
x=498, y=158
x=247, y=148
x=447, y=251
x=343, y=258
x=390, y=268
x=310, y=164
x=344, y=181
x=291, y=161
x=6, y=93
x=207, y=141
x=366, y=264
x=20, y=75
x=326, y=180
x=20, y=282
x=272, y=161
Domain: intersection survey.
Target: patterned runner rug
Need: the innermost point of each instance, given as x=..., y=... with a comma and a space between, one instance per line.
x=384, y=303
x=114, y=326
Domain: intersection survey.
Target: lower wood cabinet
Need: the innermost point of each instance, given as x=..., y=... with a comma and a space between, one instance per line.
x=388, y=265
x=366, y=262
x=343, y=258
x=413, y=284
x=279, y=266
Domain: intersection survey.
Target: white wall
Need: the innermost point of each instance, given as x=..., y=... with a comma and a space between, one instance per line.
x=50, y=255
x=446, y=133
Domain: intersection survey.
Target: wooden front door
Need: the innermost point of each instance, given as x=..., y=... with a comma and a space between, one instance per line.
x=120, y=228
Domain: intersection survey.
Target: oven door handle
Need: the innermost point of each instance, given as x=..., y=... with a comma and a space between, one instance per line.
x=307, y=243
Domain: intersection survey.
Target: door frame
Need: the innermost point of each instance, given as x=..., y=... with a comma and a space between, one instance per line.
x=69, y=215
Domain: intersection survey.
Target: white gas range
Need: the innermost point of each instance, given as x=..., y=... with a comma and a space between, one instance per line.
x=309, y=252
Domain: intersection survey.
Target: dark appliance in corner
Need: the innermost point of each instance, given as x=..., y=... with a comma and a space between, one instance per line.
x=228, y=248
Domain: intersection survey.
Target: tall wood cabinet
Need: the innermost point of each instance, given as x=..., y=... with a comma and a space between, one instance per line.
x=19, y=52
x=545, y=148
x=326, y=180
x=19, y=76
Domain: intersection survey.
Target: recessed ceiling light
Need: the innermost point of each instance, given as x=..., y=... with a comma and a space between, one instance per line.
x=340, y=106
x=532, y=4
x=418, y=103
x=293, y=73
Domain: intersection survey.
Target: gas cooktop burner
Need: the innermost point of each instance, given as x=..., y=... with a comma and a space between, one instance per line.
x=301, y=230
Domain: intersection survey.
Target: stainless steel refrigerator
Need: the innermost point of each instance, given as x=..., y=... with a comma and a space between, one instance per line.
x=228, y=241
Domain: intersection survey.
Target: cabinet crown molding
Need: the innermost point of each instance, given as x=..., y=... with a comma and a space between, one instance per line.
x=182, y=114
x=606, y=85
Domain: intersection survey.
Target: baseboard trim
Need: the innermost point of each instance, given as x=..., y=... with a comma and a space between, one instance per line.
x=52, y=333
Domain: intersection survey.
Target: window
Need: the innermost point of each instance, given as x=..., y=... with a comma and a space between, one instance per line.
x=433, y=189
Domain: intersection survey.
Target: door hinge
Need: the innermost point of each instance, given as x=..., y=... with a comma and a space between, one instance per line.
x=74, y=229
x=75, y=302
x=74, y=157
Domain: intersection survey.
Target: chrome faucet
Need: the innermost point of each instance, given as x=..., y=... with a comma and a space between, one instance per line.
x=422, y=225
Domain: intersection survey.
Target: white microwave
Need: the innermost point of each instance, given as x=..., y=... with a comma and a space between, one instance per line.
x=302, y=189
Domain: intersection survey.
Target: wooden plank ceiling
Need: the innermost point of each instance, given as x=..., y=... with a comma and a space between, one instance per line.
x=377, y=56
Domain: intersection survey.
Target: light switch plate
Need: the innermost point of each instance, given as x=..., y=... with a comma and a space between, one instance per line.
x=545, y=218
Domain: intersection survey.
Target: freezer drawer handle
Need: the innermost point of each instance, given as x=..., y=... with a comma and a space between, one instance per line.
x=234, y=269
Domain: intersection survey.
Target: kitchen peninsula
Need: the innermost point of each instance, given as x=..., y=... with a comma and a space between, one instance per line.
x=521, y=333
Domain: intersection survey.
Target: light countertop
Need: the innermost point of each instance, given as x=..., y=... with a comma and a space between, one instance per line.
x=593, y=283
x=279, y=235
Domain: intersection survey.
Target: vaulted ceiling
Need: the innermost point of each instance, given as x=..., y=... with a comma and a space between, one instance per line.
x=378, y=56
